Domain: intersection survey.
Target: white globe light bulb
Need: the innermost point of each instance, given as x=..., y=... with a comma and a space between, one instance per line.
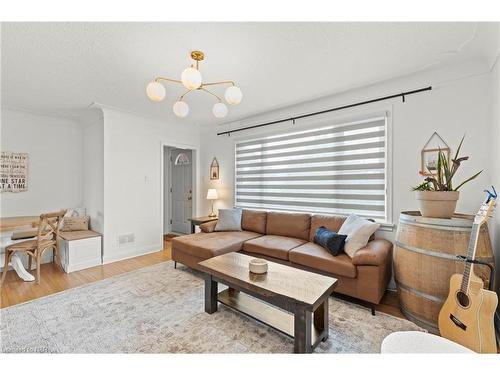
x=233, y=95
x=155, y=91
x=181, y=109
x=219, y=110
x=191, y=78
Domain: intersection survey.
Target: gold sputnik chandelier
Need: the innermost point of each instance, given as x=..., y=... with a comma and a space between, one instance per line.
x=191, y=79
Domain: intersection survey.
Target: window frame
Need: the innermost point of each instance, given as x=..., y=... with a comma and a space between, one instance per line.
x=329, y=120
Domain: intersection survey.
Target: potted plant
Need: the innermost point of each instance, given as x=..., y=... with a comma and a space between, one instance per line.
x=437, y=196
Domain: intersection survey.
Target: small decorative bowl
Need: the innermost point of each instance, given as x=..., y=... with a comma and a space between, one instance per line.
x=258, y=266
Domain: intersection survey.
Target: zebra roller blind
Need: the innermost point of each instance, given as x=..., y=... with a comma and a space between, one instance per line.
x=336, y=169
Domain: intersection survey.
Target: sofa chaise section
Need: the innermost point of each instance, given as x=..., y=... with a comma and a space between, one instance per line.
x=192, y=249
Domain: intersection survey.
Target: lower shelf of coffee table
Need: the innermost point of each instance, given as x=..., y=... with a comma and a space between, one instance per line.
x=278, y=319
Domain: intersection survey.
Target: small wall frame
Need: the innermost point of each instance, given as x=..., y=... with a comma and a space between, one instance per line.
x=429, y=154
x=214, y=169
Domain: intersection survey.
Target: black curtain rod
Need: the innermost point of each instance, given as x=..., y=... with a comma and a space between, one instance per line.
x=401, y=95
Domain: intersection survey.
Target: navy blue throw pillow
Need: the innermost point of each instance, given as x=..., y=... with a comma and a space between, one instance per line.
x=330, y=240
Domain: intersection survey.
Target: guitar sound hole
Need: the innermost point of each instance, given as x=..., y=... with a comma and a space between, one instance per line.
x=463, y=299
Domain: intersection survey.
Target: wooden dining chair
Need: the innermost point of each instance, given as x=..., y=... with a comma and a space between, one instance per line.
x=47, y=235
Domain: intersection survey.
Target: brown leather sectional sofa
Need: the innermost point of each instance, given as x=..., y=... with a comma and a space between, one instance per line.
x=288, y=238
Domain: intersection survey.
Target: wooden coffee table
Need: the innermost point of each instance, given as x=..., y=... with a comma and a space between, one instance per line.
x=290, y=300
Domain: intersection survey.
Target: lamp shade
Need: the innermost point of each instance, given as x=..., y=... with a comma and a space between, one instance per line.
x=233, y=95
x=219, y=110
x=155, y=91
x=191, y=78
x=181, y=109
x=212, y=194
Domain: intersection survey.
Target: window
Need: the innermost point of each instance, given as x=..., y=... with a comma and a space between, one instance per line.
x=339, y=169
x=182, y=159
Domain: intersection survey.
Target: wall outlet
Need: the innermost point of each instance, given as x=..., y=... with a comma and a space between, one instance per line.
x=126, y=239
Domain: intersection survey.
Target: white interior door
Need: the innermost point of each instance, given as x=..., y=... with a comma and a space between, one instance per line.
x=181, y=192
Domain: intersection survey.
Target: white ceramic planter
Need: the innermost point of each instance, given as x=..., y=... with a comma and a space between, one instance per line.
x=438, y=204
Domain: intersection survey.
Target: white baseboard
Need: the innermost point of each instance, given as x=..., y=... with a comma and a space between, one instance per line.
x=131, y=253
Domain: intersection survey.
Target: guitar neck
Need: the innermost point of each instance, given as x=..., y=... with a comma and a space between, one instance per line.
x=471, y=253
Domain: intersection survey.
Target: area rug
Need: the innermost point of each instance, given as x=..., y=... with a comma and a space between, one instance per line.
x=159, y=309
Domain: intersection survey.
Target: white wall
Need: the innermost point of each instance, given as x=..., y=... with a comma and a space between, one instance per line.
x=495, y=158
x=111, y=164
x=132, y=179
x=54, y=146
x=459, y=106
x=93, y=172
x=166, y=194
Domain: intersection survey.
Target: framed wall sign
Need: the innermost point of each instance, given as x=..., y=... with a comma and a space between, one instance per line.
x=214, y=169
x=14, y=172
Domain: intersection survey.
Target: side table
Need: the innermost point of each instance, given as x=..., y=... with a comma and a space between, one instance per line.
x=200, y=220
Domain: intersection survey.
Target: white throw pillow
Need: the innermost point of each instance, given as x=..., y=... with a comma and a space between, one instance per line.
x=229, y=220
x=358, y=231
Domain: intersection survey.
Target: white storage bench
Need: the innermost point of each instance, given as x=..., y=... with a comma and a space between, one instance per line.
x=80, y=250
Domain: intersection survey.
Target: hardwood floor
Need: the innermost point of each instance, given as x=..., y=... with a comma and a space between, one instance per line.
x=390, y=304
x=54, y=280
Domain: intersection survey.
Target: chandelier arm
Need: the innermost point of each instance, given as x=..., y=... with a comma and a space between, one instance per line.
x=211, y=93
x=218, y=83
x=187, y=92
x=167, y=79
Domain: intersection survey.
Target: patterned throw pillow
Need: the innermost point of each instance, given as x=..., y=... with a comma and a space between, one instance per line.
x=75, y=223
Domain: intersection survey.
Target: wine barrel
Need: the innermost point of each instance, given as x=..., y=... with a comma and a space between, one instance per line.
x=425, y=257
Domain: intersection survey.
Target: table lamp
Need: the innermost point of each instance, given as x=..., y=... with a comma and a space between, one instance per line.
x=212, y=195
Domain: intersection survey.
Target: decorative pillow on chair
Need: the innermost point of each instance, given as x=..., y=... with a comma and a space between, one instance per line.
x=358, y=231
x=73, y=212
x=229, y=220
x=330, y=240
x=74, y=223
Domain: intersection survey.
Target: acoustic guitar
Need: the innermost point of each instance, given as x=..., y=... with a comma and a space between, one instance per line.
x=467, y=316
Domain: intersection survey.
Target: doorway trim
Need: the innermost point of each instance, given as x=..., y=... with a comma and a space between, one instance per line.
x=195, y=174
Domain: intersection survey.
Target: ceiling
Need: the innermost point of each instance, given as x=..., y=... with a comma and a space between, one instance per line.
x=61, y=68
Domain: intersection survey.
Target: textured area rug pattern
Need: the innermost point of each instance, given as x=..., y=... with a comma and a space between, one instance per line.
x=159, y=309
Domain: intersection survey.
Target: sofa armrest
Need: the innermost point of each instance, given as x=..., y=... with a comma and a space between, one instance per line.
x=208, y=227
x=375, y=253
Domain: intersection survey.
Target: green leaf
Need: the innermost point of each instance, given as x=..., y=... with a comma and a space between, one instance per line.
x=447, y=172
x=424, y=186
x=468, y=180
x=456, y=164
x=439, y=169
x=459, y=147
